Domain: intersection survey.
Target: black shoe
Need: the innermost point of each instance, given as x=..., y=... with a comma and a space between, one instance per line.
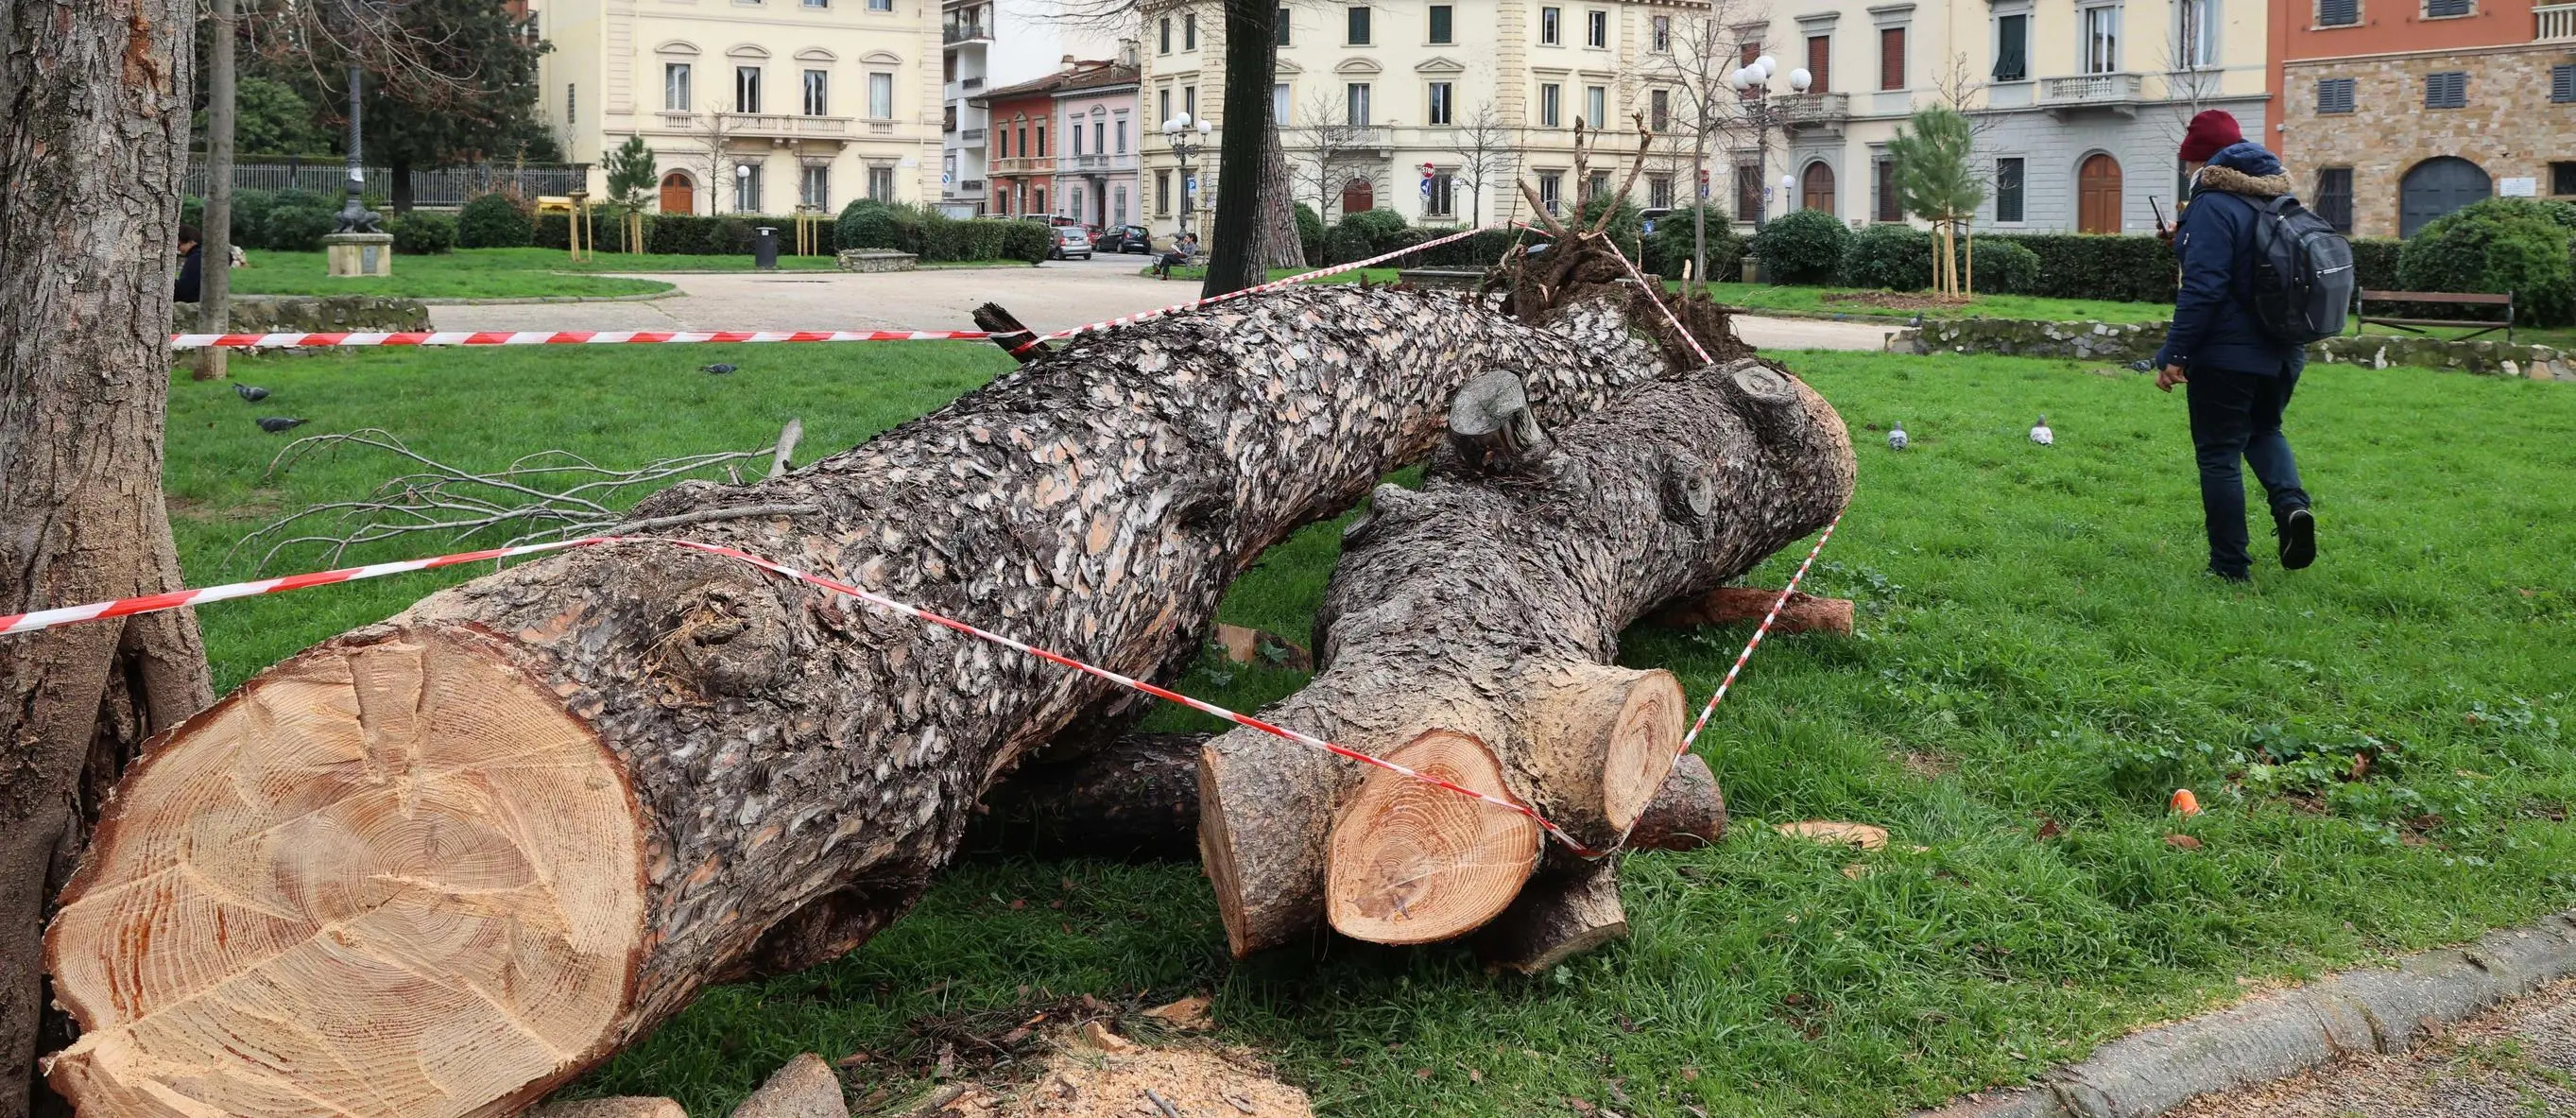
x=2240, y=577
x=2298, y=539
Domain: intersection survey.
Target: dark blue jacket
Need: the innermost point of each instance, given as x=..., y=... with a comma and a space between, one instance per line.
x=2213, y=324
x=184, y=288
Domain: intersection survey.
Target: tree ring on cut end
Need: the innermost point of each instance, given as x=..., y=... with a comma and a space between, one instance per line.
x=1410, y=862
x=389, y=879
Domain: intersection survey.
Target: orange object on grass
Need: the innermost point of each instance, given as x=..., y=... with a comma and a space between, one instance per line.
x=2184, y=802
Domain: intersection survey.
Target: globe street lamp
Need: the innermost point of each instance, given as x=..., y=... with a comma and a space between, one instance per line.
x=741, y=183
x=1754, y=79
x=1187, y=137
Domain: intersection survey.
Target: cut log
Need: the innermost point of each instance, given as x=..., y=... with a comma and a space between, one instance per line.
x=1415, y=864
x=1138, y=797
x=1689, y=811
x=1571, y=909
x=438, y=865
x=1731, y=605
x=1489, y=605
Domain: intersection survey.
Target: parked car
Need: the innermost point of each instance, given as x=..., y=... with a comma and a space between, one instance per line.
x=1070, y=241
x=1129, y=239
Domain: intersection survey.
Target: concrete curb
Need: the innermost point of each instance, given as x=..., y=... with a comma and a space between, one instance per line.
x=530, y=300
x=2391, y=1011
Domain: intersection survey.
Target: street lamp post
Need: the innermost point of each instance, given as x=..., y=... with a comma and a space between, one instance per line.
x=354, y=215
x=741, y=183
x=1765, y=115
x=1187, y=138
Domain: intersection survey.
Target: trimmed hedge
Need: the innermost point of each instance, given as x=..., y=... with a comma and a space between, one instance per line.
x=494, y=221
x=2099, y=266
x=1889, y=255
x=297, y=223
x=937, y=238
x=2501, y=245
x=423, y=234
x=1368, y=233
x=1310, y=233
x=2374, y=262
x=1802, y=247
x=1668, y=251
x=2001, y=267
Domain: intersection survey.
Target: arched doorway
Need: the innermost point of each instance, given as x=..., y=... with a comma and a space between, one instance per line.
x=678, y=195
x=1816, y=188
x=2097, y=195
x=2435, y=187
x=1358, y=197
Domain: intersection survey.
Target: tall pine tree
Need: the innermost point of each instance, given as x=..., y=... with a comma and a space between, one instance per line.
x=1936, y=180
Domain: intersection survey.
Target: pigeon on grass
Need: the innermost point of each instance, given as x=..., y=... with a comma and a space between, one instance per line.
x=1896, y=439
x=250, y=394
x=279, y=425
x=2039, y=433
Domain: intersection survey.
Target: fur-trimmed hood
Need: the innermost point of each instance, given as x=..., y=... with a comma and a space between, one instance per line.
x=2246, y=169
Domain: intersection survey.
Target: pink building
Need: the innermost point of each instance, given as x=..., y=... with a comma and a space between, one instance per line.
x=1095, y=163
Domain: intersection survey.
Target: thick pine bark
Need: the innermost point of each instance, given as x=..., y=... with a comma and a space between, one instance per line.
x=93, y=134
x=533, y=815
x=1466, y=608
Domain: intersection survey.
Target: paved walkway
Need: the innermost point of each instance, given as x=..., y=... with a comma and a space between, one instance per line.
x=1053, y=296
x=2513, y=1061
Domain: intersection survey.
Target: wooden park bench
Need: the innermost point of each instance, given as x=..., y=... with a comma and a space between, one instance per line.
x=2362, y=300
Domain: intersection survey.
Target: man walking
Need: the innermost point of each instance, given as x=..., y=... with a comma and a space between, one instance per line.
x=2240, y=376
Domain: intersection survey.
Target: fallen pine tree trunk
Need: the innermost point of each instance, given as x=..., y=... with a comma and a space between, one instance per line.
x=440, y=864
x=1469, y=631
x=1732, y=605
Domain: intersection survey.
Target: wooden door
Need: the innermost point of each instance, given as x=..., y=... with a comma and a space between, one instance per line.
x=678, y=197
x=2435, y=187
x=1816, y=188
x=1358, y=197
x=1820, y=60
x=2097, y=195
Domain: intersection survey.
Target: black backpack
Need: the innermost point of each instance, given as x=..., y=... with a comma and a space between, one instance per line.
x=2303, y=275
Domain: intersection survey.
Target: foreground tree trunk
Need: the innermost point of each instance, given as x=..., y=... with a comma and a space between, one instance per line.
x=93, y=136
x=1469, y=630
x=436, y=866
x=1238, y=239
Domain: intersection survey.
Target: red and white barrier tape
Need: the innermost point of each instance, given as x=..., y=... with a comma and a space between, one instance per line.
x=565, y=337
x=126, y=607
x=1274, y=285
x=1758, y=633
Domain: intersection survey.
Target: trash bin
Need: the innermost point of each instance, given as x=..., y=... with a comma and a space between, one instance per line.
x=764, y=249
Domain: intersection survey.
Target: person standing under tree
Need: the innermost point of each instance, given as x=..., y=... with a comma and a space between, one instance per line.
x=191, y=263
x=2239, y=375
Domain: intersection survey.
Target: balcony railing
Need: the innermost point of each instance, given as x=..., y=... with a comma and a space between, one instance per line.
x=1024, y=165
x=2554, y=22
x=1814, y=108
x=953, y=33
x=787, y=125
x=2089, y=89
x=1098, y=162
x=970, y=137
x=971, y=186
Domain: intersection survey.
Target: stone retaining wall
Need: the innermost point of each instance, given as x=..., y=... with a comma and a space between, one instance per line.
x=322, y=314
x=875, y=260
x=2124, y=343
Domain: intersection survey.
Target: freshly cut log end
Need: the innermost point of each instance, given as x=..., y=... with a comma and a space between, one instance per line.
x=1564, y=912
x=1410, y=862
x=394, y=880
x=1632, y=721
x=1689, y=812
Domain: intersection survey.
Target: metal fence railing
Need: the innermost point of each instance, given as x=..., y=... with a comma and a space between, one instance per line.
x=431, y=186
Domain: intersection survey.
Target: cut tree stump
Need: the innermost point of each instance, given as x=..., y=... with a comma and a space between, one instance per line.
x=438, y=865
x=1480, y=616
x=1730, y=605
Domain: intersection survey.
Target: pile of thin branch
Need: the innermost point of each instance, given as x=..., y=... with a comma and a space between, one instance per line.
x=547, y=495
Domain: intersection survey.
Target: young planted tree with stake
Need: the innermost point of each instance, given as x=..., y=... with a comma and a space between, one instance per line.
x=1936, y=179
x=632, y=171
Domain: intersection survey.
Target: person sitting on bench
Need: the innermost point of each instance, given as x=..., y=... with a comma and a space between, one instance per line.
x=1182, y=252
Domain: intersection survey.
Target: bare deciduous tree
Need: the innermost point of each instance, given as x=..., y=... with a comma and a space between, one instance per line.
x=1700, y=49
x=1326, y=151
x=1489, y=152
x=714, y=133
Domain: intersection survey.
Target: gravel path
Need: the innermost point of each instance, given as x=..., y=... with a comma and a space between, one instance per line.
x=2517, y=1060
x=1052, y=297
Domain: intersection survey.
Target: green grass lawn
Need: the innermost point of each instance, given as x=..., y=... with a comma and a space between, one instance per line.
x=2036, y=645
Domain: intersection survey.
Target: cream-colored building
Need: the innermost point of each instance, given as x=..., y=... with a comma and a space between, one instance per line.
x=751, y=106
x=2080, y=103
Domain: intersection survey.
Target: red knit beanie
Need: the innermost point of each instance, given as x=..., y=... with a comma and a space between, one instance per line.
x=2210, y=132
